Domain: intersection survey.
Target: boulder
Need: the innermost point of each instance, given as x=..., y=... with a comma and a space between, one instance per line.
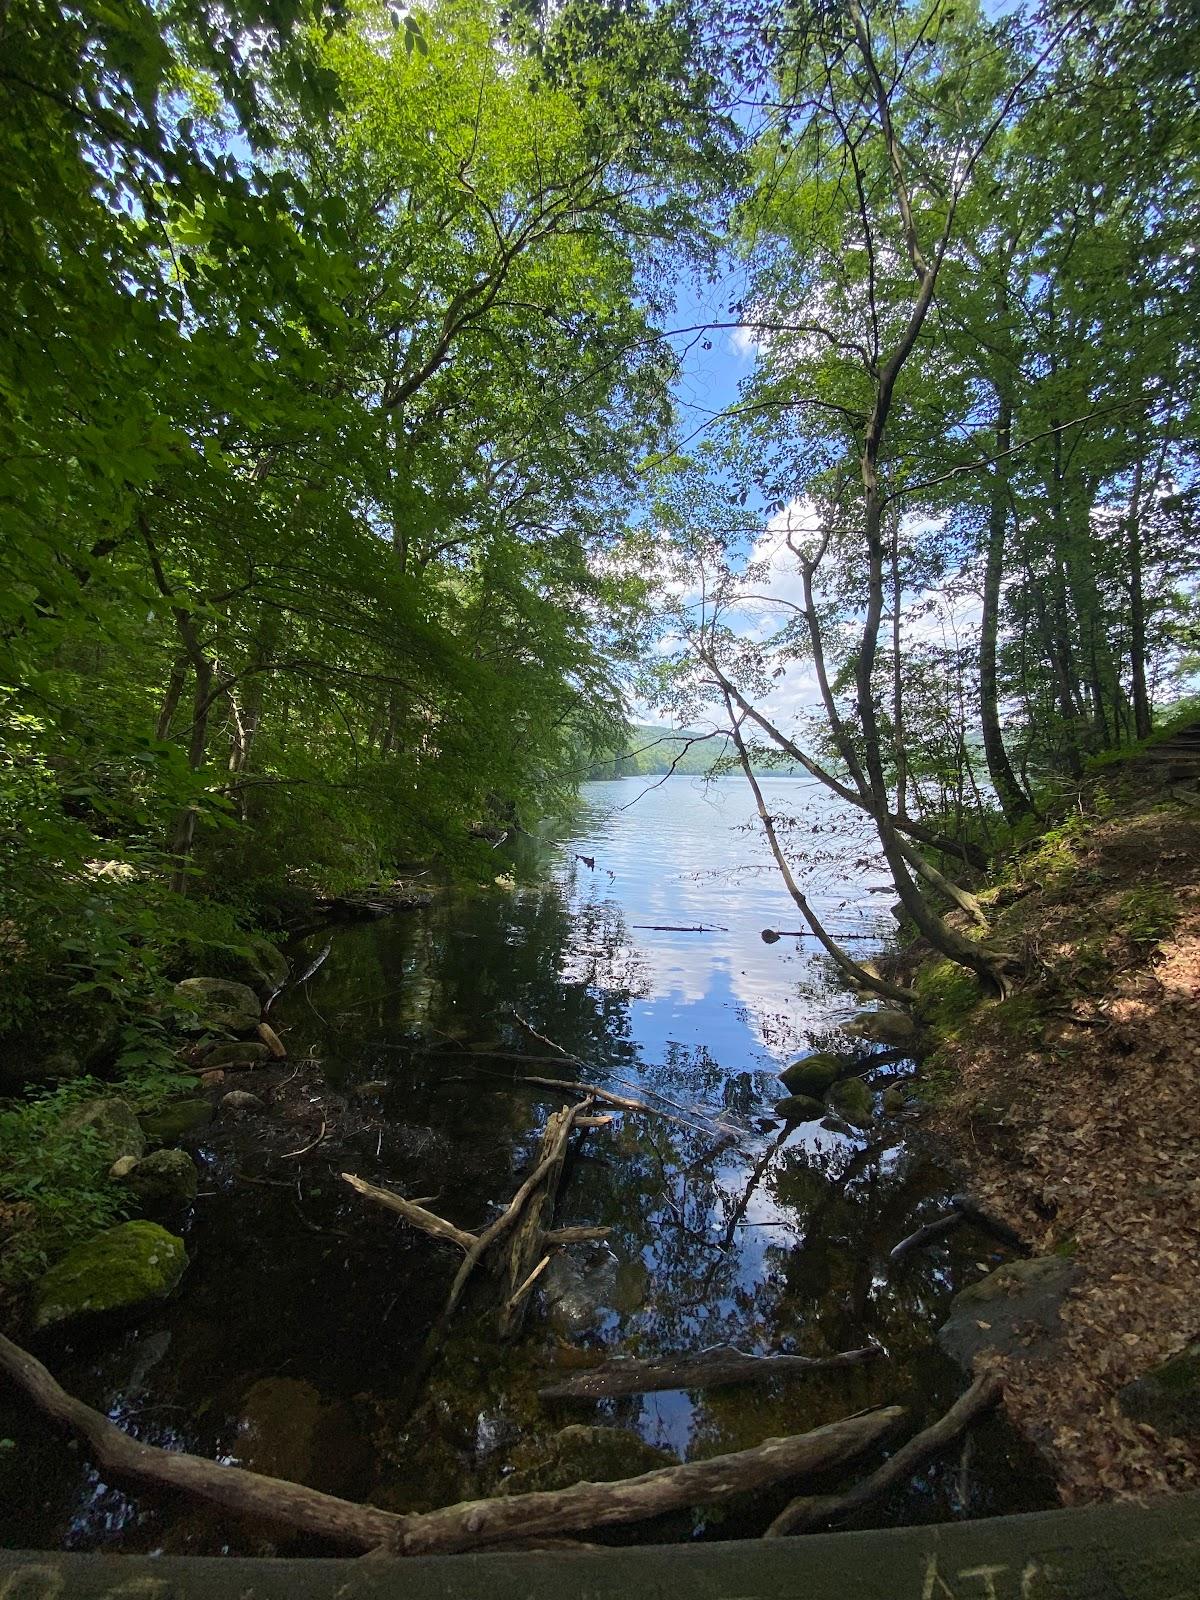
x=1168, y=1396
x=894, y=1100
x=163, y=1180
x=220, y=1003
x=1013, y=1311
x=813, y=1075
x=176, y=1119
x=888, y=1027
x=235, y=1053
x=239, y=1100
x=799, y=1108
x=121, y=1269
x=113, y=1128
x=582, y=1454
x=580, y=1297
x=850, y=1098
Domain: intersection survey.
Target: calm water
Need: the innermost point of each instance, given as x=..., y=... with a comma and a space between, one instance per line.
x=292, y=1344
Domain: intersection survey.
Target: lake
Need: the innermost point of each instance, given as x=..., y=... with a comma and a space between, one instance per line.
x=294, y=1344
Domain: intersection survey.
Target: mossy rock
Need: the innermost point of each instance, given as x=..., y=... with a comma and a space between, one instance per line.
x=813, y=1075
x=220, y=1003
x=895, y=1028
x=163, y=1180
x=112, y=1125
x=799, y=1108
x=257, y=962
x=235, y=1053
x=1168, y=1396
x=121, y=1269
x=582, y=1454
x=851, y=1099
x=176, y=1119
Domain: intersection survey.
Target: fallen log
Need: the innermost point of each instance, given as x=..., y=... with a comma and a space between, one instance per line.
x=815, y=1510
x=427, y=1221
x=946, y=1222
x=708, y=1369
x=470, y=1525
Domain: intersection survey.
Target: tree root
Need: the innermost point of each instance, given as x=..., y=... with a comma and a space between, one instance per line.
x=813, y=1511
x=469, y=1525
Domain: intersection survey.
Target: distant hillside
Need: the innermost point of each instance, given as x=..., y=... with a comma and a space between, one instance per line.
x=651, y=751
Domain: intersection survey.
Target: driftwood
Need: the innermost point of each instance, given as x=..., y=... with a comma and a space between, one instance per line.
x=428, y=1221
x=272, y=1040
x=525, y=1251
x=674, y=927
x=511, y=1214
x=470, y=1525
x=946, y=1222
x=709, y=1369
x=816, y=1510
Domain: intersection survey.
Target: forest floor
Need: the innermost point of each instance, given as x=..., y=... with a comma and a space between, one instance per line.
x=1072, y=1108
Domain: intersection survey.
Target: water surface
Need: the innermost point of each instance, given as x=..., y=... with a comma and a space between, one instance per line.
x=295, y=1339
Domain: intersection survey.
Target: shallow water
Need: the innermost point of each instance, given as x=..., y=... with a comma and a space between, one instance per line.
x=293, y=1343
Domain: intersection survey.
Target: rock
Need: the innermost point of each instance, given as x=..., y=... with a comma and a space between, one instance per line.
x=881, y=1027
x=850, y=1098
x=235, y=1053
x=799, y=1108
x=580, y=1454
x=257, y=964
x=579, y=1297
x=894, y=1100
x=113, y=1127
x=122, y=1167
x=287, y=1430
x=121, y=1269
x=165, y=1179
x=371, y=1090
x=239, y=1100
x=1168, y=1396
x=1014, y=1310
x=175, y=1120
x=60, y=1066
x=220, y=1003
x=813, y=1075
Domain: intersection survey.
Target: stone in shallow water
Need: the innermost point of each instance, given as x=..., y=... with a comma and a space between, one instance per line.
x=121, y=1269
x=881, y=1027
x=851, y=1099
x=799, y=1108
x=1014, y=1310
x=814, y=1075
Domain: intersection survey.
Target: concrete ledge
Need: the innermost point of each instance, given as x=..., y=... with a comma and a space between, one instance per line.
x=1122, y=1552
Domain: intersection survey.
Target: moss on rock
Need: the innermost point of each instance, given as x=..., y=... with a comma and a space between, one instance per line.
x=120, y=1269
x=813, y=1075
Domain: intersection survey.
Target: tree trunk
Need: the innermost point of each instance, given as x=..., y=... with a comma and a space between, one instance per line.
x=1013, y=801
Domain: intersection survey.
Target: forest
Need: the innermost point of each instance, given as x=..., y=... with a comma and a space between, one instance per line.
x=411, y=415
